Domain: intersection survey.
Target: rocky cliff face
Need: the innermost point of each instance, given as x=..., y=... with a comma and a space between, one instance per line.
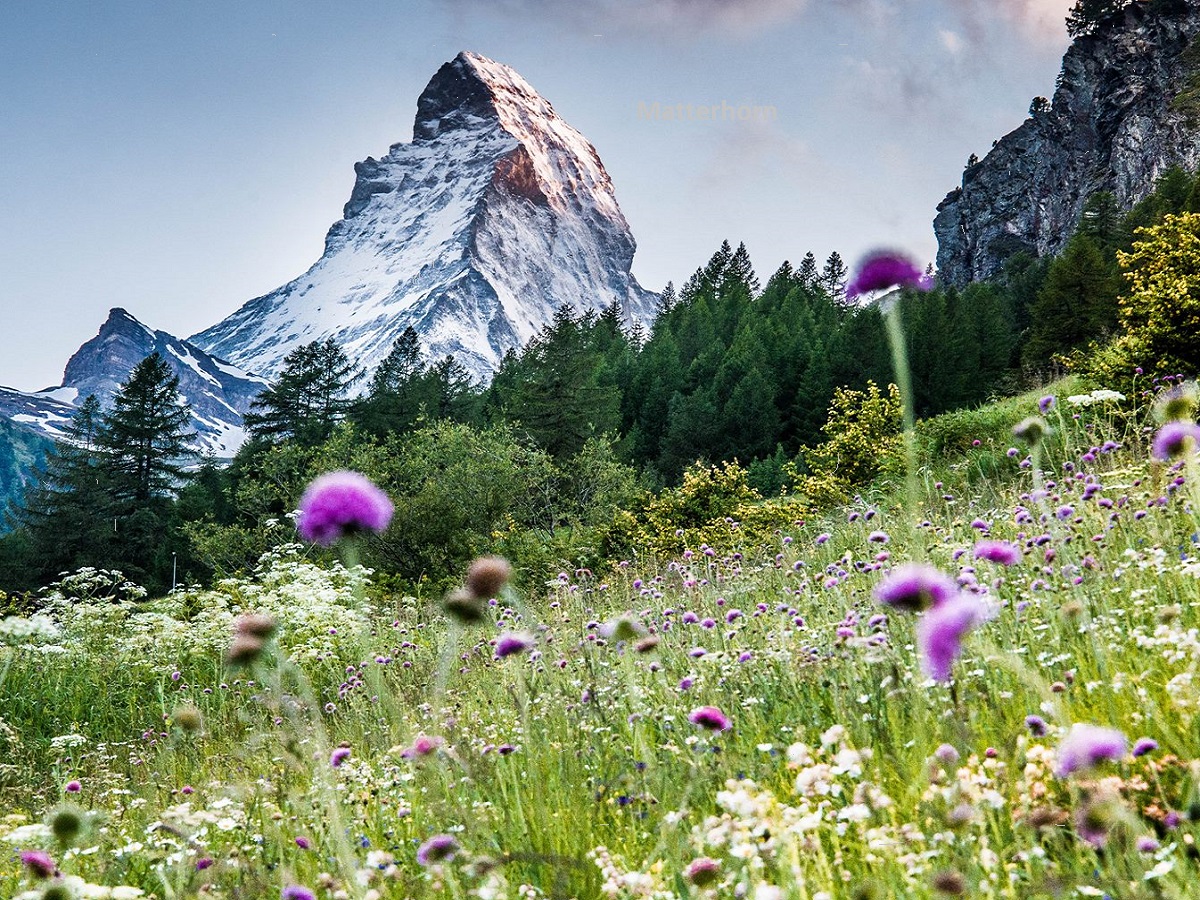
x=496, y=213
x=216, y=393
x=1126, y=109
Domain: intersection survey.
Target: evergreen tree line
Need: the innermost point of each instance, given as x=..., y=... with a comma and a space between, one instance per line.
x=730, y=370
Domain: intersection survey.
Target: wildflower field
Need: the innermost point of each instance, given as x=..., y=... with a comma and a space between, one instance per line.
x=980, y=682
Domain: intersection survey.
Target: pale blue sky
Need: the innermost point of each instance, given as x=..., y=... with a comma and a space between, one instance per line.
x=178, y=157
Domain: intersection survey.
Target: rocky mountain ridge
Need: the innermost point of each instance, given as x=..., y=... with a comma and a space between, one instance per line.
x=1126, y=108
x=217, y=394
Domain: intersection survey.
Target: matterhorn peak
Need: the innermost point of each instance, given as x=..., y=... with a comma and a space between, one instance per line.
x=497, y=213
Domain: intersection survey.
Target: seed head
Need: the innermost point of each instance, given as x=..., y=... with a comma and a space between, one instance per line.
x=65, y=824
x=1031, y=430
x=703, y=871
x=950, y=882
x=259, y=625
x=244, y=649
x=188, y=718
x=487, y=576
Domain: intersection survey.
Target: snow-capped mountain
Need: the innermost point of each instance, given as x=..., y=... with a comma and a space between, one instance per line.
x=496, y=213
x=217, y=393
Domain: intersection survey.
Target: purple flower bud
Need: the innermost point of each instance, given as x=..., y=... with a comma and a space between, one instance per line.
x=339, y=756
x=39, y=863
x=941, y=631
x=511, y=643
x=1144, y=745
x=1175, y=439
x=998, y=552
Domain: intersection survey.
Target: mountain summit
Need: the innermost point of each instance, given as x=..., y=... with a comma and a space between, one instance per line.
x=1126, y=109
x=497, y=213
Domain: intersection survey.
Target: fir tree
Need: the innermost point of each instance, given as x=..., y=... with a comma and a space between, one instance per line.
x=808, y=273
x=65, y=512
x=1087, y=15
x=309, y=398
x=833, y=278
x=144, y=437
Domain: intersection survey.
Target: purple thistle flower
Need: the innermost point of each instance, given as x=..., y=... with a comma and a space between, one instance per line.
x=342, y=503
x=339, y=756
x=303, y=843
x=709, y=717
x=998, y=552
x=915, y=587
x=1147, y=844
x=203, y=863
x=1036, y=725
x=511, y=643
x=39, y=863
x=941, y=631
x=885, y=269
x=439, y=848
x=878, y=537
x=1086, y=746
x=1174, y=439
x=422, y=745
x=74, y=787
x=297, y=892
x=1046, y=404
x=1145, y=745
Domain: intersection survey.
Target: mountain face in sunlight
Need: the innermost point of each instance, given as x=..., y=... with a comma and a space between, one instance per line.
x=497, y=213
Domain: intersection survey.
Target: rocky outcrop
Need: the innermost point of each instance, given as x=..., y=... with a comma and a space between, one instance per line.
x=1126, y=109
x=497, y=213
x=216, y=393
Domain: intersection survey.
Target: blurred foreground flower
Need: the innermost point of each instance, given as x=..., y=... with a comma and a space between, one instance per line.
x=941, y=631
x=439, y=848
x=709, y=717
x=339, y=504
x=885, y=269
x=1175, y=439
x=1086, y=746
x=915, y=587
x=487, y=576
x=39, y=863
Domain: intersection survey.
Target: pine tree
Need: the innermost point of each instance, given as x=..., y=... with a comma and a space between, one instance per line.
x=65, y=512
x=1077, y=302
x=667, y=299
x=144, y=436
x=1087, y=15
x=309, y=398
x=833, y=278
x=808, y=274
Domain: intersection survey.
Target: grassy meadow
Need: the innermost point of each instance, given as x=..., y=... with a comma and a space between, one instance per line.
x=561, y=747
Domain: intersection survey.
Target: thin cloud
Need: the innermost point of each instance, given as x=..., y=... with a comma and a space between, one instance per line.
x=679, y=16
